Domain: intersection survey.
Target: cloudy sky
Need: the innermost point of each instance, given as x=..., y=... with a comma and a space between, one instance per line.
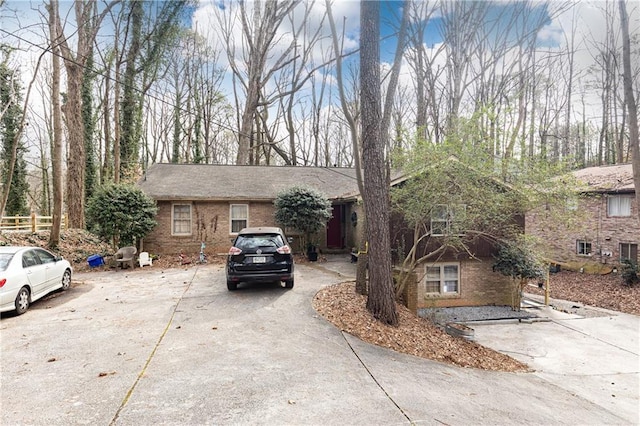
x=22, y=25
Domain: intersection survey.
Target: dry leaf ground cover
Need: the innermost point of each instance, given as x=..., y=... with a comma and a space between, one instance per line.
x=604, y=291
x=345, y=309
x=341, y=306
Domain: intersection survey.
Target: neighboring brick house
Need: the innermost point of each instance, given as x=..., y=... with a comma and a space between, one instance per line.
x=608, y=230
x=211, y=203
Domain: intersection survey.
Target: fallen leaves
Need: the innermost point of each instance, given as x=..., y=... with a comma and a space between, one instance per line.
x=345, y=309
x=604, y=291
x=341, y=306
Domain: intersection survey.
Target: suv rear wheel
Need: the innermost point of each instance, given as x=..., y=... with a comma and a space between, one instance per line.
x=288, y=283
x=231, y=286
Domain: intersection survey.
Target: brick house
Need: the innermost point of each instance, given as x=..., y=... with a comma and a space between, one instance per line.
x=608, y=230
x=456, y=277
x=211, y=203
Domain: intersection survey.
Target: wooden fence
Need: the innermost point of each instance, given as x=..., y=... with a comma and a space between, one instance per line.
x=31, y=223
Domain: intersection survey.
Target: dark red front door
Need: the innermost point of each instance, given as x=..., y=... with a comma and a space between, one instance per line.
x=334, y=227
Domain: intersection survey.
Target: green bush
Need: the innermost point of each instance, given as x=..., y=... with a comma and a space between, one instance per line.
x=629, y=273
x=517, y=260
x=303, y=209
x=121, y=213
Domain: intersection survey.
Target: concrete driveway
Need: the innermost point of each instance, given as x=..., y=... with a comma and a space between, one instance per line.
x=175, y=347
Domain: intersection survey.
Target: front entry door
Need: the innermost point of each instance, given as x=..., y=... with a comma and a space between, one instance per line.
x=335, y=237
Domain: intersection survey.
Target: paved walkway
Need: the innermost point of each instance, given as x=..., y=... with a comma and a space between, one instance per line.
x=175, y=347
x=594, y=354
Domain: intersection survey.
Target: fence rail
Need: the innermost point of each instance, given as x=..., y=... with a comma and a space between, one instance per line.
x=31, y=223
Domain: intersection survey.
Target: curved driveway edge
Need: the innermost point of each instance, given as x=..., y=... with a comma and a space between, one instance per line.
x=175, y=347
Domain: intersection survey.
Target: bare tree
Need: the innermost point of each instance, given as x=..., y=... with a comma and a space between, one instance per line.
x=630, y=100
x=56, y=151
x=259, y=29
x=426, y=73
x=13, y=151
x=88, y=22
x=351, y=118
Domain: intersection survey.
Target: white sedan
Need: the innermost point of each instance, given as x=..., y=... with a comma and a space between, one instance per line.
x=29, y=273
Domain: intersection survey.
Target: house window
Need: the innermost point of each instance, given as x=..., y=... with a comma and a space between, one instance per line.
x=618, y=205
x=239, y=215
x=442, y=278
x=583, y=248
x=181, y=219
x=447, y=219
x=629, y=251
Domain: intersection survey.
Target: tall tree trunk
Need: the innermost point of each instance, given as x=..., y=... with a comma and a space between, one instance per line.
x=56, y=152
x=381, y=302
x=116, y=123
x=631, y=102
x=76, y=158
x=105, y=174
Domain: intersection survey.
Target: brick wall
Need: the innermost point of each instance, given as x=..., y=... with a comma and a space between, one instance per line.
x=478, y=286
x=558, y=240
x=210, y=223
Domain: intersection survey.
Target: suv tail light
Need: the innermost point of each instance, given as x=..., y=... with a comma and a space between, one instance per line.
x=3, y=281
x=284, y=250
x=234, y=251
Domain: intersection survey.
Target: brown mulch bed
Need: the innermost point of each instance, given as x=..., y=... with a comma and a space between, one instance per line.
x=345, y=309
x=341, y=306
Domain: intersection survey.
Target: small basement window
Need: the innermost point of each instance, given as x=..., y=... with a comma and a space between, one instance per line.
x=629, y=251
x=443, y=278
x=583, y=248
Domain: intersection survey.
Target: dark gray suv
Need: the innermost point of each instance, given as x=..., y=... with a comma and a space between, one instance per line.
x=260, y=255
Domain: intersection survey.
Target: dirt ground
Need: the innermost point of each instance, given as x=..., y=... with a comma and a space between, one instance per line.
x=340, y=305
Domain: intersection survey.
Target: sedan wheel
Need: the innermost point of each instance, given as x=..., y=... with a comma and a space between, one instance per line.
x=22, y=301
x=66, y=279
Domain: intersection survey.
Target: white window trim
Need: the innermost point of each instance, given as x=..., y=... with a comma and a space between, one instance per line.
x=173, y=205
x=231, y=232
x=441, y=266
x=584, y=243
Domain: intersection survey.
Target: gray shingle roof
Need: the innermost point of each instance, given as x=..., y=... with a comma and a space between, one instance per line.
x=614, y=178
x=224, y=182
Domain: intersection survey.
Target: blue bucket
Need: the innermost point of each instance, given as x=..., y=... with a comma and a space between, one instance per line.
x=95, y=260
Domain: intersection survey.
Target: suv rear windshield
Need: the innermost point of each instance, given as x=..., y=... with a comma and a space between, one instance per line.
x=254, y=241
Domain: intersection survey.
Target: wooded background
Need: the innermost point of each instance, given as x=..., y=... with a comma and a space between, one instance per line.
x=92, y=92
